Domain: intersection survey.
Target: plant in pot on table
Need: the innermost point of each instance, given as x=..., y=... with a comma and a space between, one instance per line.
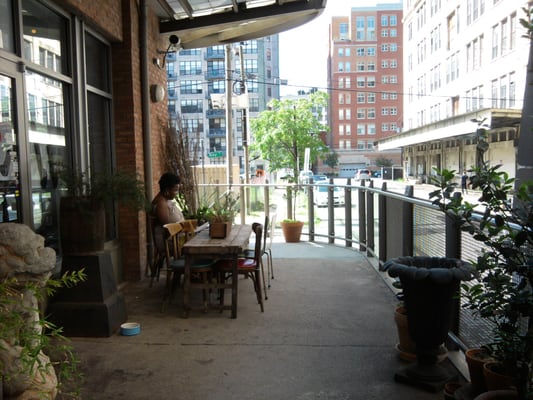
x=221, y=214
x=503, y=292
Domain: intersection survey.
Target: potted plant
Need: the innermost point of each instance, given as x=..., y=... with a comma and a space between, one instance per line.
x=292, y=230
x=503, y=291
x=221, y=214
x=83, y=207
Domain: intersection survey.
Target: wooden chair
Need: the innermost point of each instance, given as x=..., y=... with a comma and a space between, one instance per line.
x=248, y=267
x=158, y=254
x=178, y=234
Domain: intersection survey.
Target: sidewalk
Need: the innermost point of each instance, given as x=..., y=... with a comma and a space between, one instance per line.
x=327, y=333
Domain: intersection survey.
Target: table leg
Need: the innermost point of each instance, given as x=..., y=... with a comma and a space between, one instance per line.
x=186, y=286
x=234, y=287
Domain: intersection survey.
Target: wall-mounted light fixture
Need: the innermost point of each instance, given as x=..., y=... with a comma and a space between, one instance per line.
x=157, y=92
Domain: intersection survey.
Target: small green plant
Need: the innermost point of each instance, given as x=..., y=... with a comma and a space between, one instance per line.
x=31, y=338
x=225, y=208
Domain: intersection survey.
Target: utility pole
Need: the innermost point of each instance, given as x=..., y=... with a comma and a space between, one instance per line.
x=229, y=122
x=244, y=119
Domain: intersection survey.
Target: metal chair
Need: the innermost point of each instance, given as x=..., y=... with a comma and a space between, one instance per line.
x=248, y=267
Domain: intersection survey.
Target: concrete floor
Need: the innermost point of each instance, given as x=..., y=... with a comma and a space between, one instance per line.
x=327, y=333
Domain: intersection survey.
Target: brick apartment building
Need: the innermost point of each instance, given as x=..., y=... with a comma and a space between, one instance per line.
x=365, y=76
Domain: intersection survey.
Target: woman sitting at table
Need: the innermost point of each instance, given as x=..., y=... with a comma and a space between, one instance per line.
x=164, y=207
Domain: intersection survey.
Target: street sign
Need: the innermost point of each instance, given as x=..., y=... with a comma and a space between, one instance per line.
x=215, y=154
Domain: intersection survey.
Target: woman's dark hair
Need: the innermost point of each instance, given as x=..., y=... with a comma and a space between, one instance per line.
x=168, y=180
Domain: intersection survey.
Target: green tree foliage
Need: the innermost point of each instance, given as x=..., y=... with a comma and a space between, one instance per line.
x=331, y=159
x=282, y=133
x=384, y=162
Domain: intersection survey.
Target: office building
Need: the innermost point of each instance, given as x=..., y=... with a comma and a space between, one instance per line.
x=365, y=76
x=465, y=64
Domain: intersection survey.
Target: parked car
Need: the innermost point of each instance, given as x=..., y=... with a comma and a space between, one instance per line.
x=376, y=174
x=362, y=175
x=320, y=195
x=319, y=178
x=304, y=176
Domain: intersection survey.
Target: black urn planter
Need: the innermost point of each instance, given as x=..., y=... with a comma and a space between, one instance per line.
x=429, y=286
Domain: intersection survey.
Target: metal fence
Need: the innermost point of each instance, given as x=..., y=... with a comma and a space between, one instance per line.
x=379, y=222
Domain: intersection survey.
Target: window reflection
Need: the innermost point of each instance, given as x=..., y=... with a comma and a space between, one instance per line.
x=6, y=26
x=46, y=115
x=44, y=36
x=9, y=182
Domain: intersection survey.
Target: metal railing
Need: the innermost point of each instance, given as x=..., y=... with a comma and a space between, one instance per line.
x=378, y=222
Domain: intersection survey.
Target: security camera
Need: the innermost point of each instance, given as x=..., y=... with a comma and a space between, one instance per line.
x=174, y=40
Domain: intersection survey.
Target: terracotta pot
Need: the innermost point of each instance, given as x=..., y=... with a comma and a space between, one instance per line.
x=449, y=390
x=406, y=346
x=475, y=359
x=292, y=231
x=498, y=395
x=495, y=378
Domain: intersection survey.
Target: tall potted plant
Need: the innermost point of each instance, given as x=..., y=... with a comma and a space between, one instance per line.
x=503, y=292
x=83, y=206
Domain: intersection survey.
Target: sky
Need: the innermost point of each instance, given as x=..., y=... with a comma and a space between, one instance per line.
x=304, y=50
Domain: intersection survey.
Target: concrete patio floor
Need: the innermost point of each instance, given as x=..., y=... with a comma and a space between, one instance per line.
x=327, y=333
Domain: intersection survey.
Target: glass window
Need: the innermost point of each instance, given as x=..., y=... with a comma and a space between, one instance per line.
x=98, y=72
x=47, y=147
x=46, y=34
x=9, y=181
x=7, y=34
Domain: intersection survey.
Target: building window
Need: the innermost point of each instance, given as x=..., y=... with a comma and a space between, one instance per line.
x=394, y=63
x=393, y=79
x=360, y=129
x=348, y=114
x=340, y=52
x=347, y=52
x=371, y=129
x=341, y=114
x=495, y=41
x=371, y=97
x=503, y=92
x=384, y=127
x=384, y=20
x=360, y=51
x=371, y=51
x=371, y=113
x=361, y=113
x=343, y=30
x=371, y=81
x=341, y=98
x=393, y=20
x=360, y=81
x=348, y=129
x=371, y=66
x=512, y=33
x=348, y=82
x=360, y=98
x=384, y=63
x=341, y=130
x=512, y=89
x=503, y=34
x=360, y=66
x=348, y=98
x=494, y=93
x=348, y=66
x=340, y=67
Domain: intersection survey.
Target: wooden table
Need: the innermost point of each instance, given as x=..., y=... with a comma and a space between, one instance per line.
x=202, y=246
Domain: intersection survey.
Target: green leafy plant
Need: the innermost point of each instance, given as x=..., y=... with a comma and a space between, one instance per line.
x=225, y=208
x=38, y=337
x=502, y=220
x=103, y=187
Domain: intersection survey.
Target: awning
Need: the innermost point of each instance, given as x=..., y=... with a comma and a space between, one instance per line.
x=464, y=124
x=202, y=23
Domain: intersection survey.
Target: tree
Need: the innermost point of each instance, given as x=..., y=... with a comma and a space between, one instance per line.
x=383, y=162
x=282, y=133
x=331, y=159
x=524, y=161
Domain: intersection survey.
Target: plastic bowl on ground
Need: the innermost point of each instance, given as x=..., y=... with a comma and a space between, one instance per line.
x=130, y=329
